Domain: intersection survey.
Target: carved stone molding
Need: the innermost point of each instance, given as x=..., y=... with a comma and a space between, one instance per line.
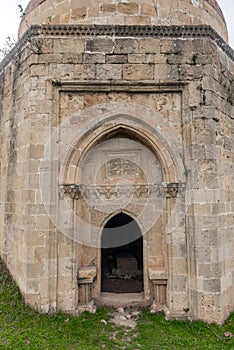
x=87, y=274
x=73, y=191
x=109, y=192
x=173, y=31
x=173, y=188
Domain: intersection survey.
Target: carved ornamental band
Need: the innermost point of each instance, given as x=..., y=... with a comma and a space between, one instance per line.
x=108, y=192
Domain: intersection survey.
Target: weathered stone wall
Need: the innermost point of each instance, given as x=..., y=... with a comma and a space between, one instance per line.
x=177, y=94
x=14, y=172
x=210, y=152
x=147, y=12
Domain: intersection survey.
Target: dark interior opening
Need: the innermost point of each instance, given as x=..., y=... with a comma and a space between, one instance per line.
x=122, y=256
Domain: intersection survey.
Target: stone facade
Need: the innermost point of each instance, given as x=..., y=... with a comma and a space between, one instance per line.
x=100, y=120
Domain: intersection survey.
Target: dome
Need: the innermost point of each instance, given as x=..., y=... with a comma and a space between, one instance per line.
x=124, y=12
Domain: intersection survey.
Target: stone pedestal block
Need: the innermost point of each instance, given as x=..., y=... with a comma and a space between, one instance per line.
x=85, y=278
x=159, y=280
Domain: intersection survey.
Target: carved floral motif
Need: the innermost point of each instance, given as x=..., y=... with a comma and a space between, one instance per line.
x=109, y=192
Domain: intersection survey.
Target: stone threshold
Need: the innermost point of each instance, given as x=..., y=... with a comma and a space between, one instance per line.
x=122, y=300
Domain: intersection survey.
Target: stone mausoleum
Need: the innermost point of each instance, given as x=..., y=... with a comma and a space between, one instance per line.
x=117, y=155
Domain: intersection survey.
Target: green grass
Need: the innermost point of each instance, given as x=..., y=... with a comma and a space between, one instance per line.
x=23, y=328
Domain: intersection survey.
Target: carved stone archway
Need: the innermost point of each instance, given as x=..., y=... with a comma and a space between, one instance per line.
x=124, y=183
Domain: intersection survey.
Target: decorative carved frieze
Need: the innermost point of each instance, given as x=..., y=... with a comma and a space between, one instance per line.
x=109, y=192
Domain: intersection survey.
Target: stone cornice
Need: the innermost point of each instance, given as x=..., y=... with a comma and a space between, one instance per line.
x=116, y=85
x=200, y=31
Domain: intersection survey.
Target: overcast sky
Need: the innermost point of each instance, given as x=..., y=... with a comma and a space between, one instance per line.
x=10, y=18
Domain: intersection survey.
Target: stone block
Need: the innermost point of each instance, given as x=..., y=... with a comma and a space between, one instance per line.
x=155, y=58
x=71, y=58
x=62, y=7
x=212, y=285
x=59, y=71
x=137, y=20
x=130, y=8
x=108, y=8
x=78, y=13
x=169, y=46
x=180, y=283
x=148, y=10
x=42, y=222
x=226, y=282
x=164, y=73
x=209, y=223
x=50, y=58
x=214, y=270
x=39, y=254
x=181, y=264
x=36, y=151
x=151, y=45
x=137, y=58
x=105, y=45
x=35, y=270
x=33, y=181
x=94, y=12
x=47, y=46
x=138, y=72
x=108, y=71
x=87, y=274
x=85, y=71
x=94, y=58
x=33, y=286
x=204, y=254
x=126, y=46
x=191, y=72
x=63, y=18
x=73, y=3
x=116, y=58
x=69, y=45
x=29, y=196
x=38, y=70
x=157, y=274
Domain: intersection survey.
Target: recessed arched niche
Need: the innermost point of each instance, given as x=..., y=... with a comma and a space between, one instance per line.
x=123, y=204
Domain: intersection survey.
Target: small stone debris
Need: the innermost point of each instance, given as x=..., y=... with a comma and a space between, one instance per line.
x=125, y=318
x=120, y=310
x=228, y=334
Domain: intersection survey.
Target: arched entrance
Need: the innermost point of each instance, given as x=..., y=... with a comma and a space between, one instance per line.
x=121, y=256
x=126, y=166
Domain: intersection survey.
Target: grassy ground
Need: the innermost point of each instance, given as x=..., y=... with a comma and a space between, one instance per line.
x=23, y=328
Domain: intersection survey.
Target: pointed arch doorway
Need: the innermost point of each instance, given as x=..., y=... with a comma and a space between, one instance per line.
x=122, y=256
